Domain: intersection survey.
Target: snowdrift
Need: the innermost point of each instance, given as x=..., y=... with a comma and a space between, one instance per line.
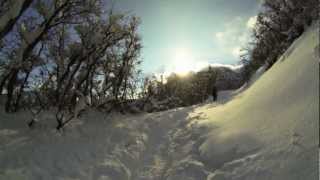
x=271, y=130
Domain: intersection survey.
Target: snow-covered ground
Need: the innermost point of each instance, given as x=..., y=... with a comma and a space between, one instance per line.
x=227, y=95
x=268, y=131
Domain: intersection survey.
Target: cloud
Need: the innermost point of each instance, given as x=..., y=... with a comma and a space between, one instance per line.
x=219, y=35
x=252, y=22
x=236, y=52
x=231, y=31
x=234, y=36
x=231, y=66
x=199, y=65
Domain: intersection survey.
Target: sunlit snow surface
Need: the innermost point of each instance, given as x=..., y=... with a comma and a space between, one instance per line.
x=266, y=130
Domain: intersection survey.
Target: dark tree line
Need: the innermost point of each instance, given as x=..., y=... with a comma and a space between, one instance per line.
x=61, y=53
x=278, y=24
x=176, y=90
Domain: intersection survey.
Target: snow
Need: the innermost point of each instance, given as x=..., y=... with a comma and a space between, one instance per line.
x=275, y=121
x=258, y=74
x=268, y=130
x=225, y=96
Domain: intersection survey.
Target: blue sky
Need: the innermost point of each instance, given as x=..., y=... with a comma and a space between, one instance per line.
x=180, y=35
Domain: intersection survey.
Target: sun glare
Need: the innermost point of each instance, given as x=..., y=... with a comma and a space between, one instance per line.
x=183, y=62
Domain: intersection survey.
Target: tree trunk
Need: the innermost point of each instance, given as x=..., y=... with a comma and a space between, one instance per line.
x=9, y=19
x=3, y=82
x=10, y=87
x=17, y=101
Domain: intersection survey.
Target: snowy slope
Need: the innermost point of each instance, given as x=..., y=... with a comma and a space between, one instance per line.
x=227, y=95
x=269, y=131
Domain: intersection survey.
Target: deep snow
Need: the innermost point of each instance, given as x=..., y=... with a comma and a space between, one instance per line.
x=267, y=130
x=271, y=130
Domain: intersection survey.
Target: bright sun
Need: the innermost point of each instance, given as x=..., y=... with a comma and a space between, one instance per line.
x=183, y=62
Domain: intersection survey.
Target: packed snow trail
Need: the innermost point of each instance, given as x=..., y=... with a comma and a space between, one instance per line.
x=158, y=156
x=172, y=152
x=96, y=146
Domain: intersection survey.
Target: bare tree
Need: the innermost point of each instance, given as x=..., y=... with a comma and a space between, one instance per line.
x=53, y=13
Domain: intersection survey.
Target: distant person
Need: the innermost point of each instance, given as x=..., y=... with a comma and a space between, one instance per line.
x=214, y=93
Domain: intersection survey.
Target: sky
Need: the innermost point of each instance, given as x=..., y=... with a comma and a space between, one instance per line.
x=184, y=35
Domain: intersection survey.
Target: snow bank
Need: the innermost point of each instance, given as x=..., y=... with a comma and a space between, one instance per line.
x=271, y=130
x=225, y=96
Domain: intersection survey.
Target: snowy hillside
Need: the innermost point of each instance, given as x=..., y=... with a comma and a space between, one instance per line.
x=269, y=131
